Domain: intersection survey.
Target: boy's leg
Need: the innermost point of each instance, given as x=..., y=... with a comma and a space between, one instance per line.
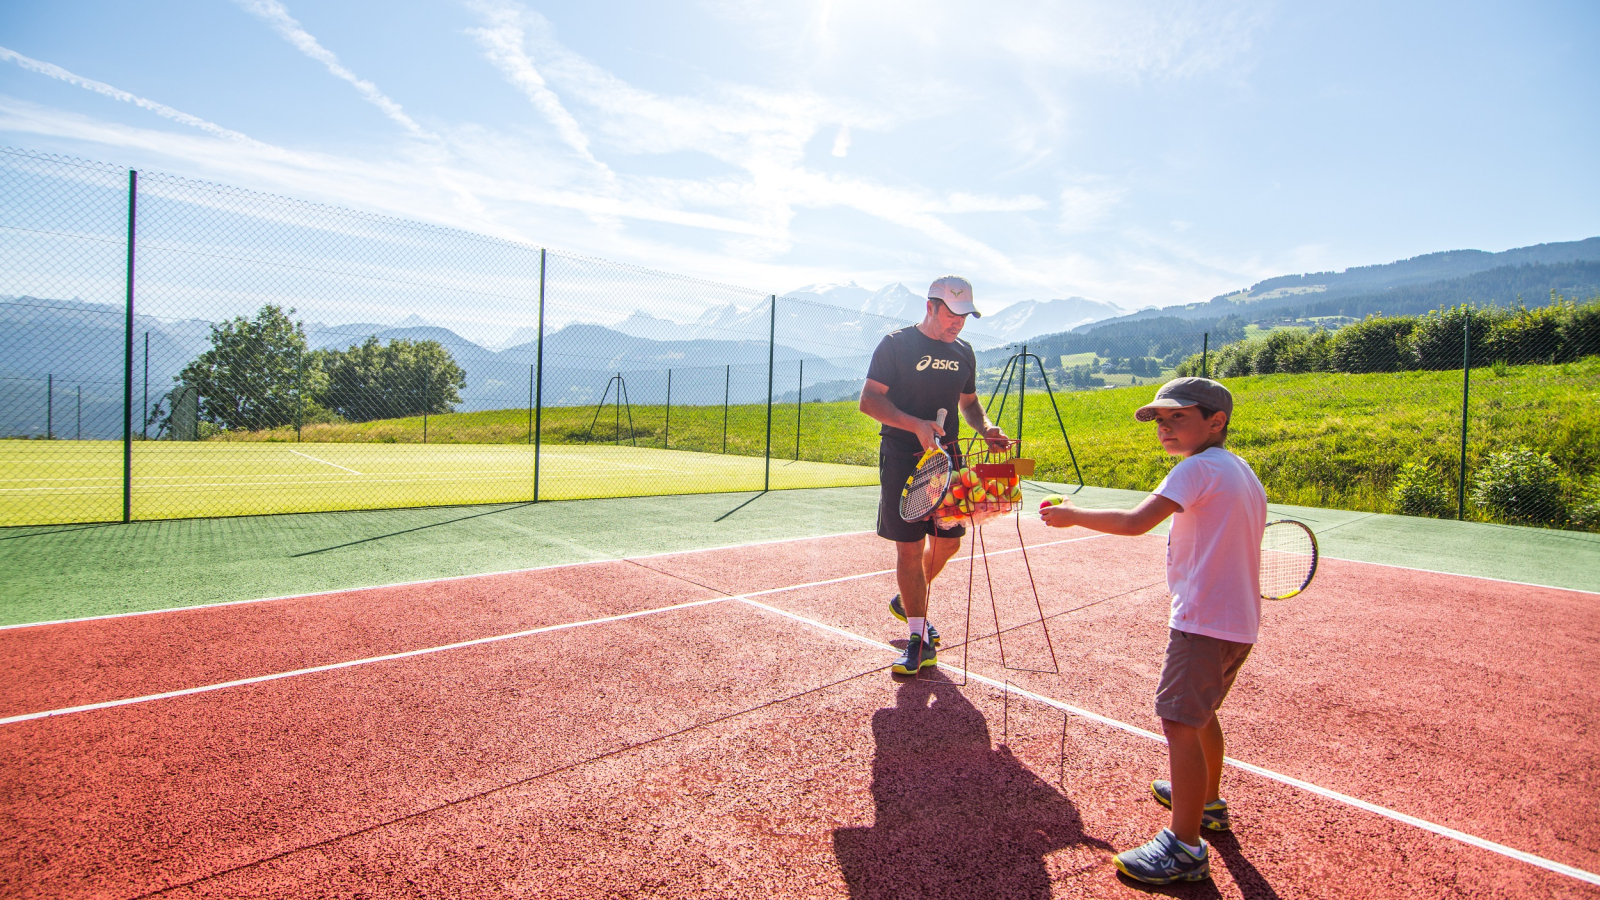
x=1211, y=742
x=1191, y=763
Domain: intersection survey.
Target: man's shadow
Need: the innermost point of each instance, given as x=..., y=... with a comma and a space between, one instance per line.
x=956, y=817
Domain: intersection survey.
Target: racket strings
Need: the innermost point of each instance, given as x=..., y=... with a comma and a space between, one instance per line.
x=926, y=488
x=1288, y=559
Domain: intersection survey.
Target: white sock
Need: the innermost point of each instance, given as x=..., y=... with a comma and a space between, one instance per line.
x=919, y=625
x=1194, y=851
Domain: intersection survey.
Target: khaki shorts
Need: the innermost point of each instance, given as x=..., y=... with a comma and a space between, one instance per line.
x=1197, y=675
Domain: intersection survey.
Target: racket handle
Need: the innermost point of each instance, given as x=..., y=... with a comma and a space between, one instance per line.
x=939, y=419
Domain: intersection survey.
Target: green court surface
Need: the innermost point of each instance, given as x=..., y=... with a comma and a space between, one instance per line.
x=69, y=571
x=58, y=482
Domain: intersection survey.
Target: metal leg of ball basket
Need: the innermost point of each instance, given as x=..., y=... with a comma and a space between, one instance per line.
x=1009, y=466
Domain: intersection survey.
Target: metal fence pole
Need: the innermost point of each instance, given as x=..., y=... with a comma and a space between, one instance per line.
x=772, y=336
x=1466, y=384
x=727, y=381
x=49, y=407
x=538, y=393
x=1205, y=355
x=666, y=430
x=530, y=404
x=127, y=356
x=799, y=404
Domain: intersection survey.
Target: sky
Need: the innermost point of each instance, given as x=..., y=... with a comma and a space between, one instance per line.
x=1140, y=153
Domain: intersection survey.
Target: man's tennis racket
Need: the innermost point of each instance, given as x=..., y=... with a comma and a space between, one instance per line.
x=926, y=486
x=1288, y=559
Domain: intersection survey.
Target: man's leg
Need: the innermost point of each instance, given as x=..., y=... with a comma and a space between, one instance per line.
x=911, y=574
x=938, y=552
x=1191, y=775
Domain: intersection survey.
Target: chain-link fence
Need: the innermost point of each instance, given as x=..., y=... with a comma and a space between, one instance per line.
x=1478, y=413
x=174, y=348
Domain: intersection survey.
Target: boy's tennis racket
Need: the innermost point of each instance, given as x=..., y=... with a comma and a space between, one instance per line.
x=926, y=486
x=1288, y=559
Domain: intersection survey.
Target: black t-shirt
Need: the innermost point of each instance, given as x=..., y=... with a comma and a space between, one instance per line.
x=924, y=376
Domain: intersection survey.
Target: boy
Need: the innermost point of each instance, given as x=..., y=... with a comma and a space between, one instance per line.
x=1219, y=510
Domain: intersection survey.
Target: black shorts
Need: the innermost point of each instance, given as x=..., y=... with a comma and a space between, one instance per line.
x=895, y=465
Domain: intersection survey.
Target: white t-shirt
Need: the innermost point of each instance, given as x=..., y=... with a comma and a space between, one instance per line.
x=1214, y=548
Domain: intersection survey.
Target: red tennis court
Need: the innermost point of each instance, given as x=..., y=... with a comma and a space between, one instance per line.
x=722, y=723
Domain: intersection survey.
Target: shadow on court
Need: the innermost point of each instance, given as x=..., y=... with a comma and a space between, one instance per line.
x=956, y=818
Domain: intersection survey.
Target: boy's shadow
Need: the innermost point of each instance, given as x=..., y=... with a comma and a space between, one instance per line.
x=956, y=818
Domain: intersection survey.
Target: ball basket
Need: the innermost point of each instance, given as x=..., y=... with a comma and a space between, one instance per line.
x=987, y=486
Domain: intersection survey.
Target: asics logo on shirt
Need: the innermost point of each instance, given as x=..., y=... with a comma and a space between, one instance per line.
x=945, y=365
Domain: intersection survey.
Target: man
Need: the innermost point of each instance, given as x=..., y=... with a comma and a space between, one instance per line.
x=916, y=372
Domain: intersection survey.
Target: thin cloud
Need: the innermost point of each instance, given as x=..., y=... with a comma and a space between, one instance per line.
x=106, y=90
x=278, y=17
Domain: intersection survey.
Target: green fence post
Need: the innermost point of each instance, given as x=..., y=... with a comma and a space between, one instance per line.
x=1205, y=355
x=799, y=404
x=127, y=357
x=1466, y=385
x=772, y=336
x=538, y=394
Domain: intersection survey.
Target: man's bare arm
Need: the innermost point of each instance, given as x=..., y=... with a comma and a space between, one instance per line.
x=1139, y=520
x=875, y=402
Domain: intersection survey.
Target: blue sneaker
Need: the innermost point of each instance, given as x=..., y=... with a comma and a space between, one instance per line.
x=917, y=656
x=899, y=611
x=1214, y=816
x=1164, y=860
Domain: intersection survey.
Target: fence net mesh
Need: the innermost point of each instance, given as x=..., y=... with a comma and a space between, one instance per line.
x=287, y=356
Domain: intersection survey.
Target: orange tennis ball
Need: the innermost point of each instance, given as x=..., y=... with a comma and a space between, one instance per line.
x=969, y=478
x=959, y=491
x=977, y=495
x=1013, y=481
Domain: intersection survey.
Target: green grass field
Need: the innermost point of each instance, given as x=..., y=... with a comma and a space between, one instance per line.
x=1320, y=440
x=50, y=482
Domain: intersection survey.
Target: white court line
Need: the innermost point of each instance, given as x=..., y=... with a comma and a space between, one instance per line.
x=324, y=462
x=1396, y=815
x=447, y=578
x=388, y=657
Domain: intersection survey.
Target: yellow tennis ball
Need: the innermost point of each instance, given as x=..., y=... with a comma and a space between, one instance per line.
x=1052, y=500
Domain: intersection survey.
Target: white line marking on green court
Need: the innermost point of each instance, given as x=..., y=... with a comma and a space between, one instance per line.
x=324, y=462
x=1404, y=818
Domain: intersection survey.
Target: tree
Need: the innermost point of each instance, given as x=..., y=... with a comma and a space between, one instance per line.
x=254, y=376
x=387, y=381
x=1374, y=344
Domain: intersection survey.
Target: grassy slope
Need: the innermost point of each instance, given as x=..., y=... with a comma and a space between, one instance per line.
x=1320, y=439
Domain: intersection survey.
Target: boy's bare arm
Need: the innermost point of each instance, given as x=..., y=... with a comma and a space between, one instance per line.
x=1147, y=515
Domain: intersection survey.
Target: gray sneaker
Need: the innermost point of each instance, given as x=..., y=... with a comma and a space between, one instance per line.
x=1164, y=860
x=1213, y=817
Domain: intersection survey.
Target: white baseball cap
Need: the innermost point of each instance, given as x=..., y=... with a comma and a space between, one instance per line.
x=956, y=294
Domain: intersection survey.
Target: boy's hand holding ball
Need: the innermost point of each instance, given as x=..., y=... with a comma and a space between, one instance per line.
x=1056, y=511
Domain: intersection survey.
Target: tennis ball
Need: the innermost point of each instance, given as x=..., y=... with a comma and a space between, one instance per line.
x=970, y=478
x=959, y=491
x=1015, y=493
x=965, y=506
x=977, y=495
x=1013, y=481
x=1052, y=500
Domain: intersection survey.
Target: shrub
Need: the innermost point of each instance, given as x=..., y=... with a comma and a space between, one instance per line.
x=1417, y=491
x=1520, y=486
x=1579, y=332
x=1374, y=344
x=1527, y=335
x=1585, y=513
x=1436, y=340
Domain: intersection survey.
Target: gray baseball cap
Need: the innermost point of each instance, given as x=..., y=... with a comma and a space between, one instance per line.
x=1181, y=392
